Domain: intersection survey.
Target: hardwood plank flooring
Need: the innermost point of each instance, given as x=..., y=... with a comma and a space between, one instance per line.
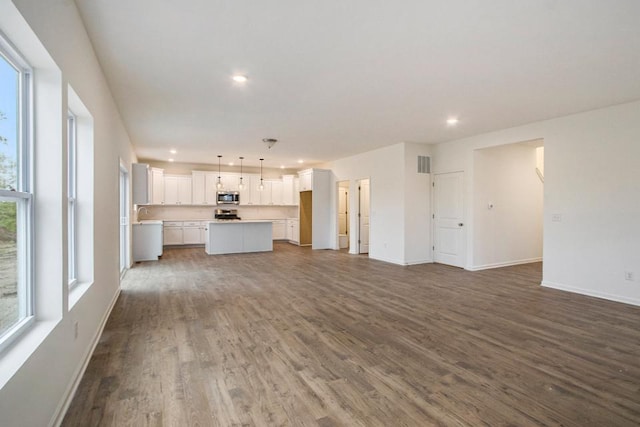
x=322, y=338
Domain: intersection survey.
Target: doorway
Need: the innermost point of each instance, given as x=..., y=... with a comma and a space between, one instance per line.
x=448, y=218
x=363, y=215
x=507, y=205
x=124, y=219
x=343, y=215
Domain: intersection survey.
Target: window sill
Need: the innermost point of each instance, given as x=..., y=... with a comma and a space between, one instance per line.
x=18, y=352
x=76, y=291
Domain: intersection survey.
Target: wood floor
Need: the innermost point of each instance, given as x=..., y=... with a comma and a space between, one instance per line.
x=322, y=338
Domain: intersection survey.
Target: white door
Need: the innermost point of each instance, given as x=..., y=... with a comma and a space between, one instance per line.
x=448, y=219
x=363, y=217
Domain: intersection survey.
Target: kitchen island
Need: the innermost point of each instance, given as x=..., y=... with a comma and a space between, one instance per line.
x=232, y=237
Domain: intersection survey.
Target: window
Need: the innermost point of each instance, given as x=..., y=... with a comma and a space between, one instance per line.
x=16, y=199
x=80, y=180
x=72, y=191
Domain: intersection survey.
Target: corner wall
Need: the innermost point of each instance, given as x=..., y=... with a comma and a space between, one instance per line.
x=400, y=228
x=592, y=180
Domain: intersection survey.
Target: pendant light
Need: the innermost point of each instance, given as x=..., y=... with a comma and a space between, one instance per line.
x=241, y=184
x=219, y=183
x=261, y=186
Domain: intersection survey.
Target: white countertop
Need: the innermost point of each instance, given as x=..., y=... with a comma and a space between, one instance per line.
x=148, y=221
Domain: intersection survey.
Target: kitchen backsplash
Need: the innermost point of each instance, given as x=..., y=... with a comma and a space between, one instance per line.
x=206, y=212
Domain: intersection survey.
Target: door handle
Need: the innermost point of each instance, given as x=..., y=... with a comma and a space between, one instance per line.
x=460, y=224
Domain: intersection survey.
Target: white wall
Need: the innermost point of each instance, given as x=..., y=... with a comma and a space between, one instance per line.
x=417, y=207
x=507, y=206
x=592, y=179
x=400, y=225
x=39, y=370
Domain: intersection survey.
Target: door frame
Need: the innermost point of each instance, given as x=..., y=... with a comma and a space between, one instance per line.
x=337, y=200
x=358, y=215
x=124, y=206
x=465, y=230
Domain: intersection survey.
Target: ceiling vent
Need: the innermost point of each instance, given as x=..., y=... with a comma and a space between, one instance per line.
x=424, y=164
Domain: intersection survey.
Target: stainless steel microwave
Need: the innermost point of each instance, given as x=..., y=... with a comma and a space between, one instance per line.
x=228, y=198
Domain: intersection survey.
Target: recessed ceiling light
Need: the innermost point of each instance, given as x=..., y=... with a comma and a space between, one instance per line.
x=171, y=160
x=230, y=163
x=452, y=121
x=281, y=166
x=300, y=161
x=173, y=151
x=239, y=78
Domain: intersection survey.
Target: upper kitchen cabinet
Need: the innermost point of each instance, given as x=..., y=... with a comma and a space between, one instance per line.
x=157, y=186
x=276, y=193
x=140, y=184
x=148, y=184
x=177, y=190
x=288, y=190
x=251, y=195
x=204, y=187
x=306, y=180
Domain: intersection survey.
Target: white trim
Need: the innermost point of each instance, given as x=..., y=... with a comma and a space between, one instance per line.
x=504, y=264
x=587, y=292
x=391, y=261
x=419, y=261
x=61, y=410
x=11, y=334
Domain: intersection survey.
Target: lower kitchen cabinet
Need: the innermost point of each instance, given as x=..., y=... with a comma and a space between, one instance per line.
x=193, y=233
x=279, y=229
x=293, y=230
x=184, y=232
x=147, y=241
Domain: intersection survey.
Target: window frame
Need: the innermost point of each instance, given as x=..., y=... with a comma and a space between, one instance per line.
x=23, y=194
x=72, y=198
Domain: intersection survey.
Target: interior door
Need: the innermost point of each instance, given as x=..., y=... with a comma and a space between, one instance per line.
x=448, y=218
x=363, y=217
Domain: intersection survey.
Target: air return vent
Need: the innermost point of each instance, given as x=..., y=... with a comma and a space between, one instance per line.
x=424, y=164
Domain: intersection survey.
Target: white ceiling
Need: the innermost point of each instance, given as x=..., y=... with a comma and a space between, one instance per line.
x=334, y=78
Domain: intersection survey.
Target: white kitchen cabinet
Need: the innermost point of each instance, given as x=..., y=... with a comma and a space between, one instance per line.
x=293, y=230
x=265, y=193
x=279, y=229
x=230, y=181
x=198, y=188
x=157, y=186
x=253, y=182
x=147, y=184
x=147, y=241
x=193, y=232
x=211, y=188
x=288, y=190
x=173, y=233
x=276, y=192
x=306, y=180
x=177, y=190
x=140, y=184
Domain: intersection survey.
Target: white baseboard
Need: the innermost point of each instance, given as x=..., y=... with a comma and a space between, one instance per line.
x=590, y=293
x=420, y=261
x=504, y=264
x=73, y=386
x=391, y=261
